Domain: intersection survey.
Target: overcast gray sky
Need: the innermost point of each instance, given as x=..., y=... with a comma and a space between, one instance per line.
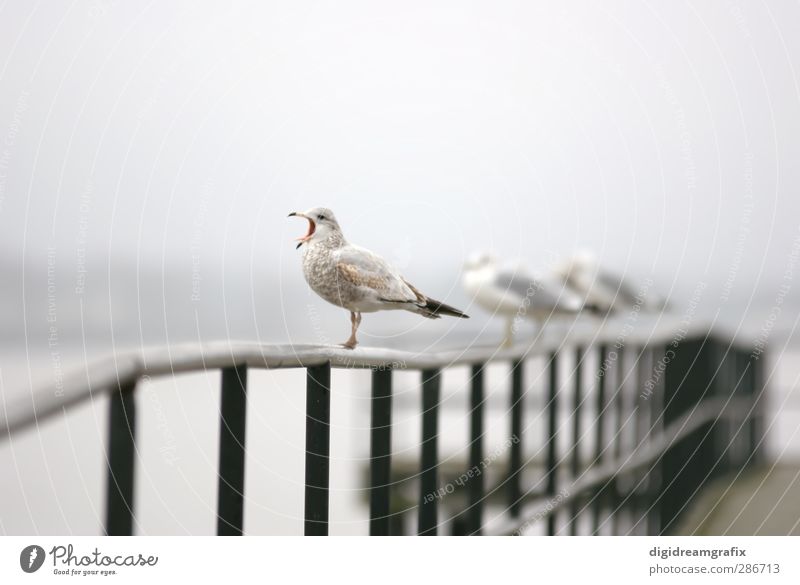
x=175, y=137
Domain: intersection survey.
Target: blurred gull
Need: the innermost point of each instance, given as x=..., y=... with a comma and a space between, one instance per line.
x=516, y=294
x=606, y=291
x=356, y=279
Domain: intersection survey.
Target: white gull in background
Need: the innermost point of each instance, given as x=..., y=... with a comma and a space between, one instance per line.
x=356, y=279
x=517, y=294
x=607, y=291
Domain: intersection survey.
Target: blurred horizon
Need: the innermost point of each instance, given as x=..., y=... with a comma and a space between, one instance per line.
x=154, y=306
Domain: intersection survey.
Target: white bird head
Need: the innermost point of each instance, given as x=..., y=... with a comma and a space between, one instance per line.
x=583, y=262
x=480, y=260
x=321, y=224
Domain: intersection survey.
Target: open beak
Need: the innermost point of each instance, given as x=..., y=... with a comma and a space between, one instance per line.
x=311, y=228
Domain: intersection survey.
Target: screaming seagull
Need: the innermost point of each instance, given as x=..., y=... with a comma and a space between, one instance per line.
x=356, y=279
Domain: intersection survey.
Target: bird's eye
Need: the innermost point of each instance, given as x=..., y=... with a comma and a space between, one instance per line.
x=321, y=217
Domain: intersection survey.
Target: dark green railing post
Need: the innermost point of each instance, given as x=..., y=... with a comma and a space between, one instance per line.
x=121, y=461
x=742, y=381
x=754, y=390
x=233, y=416
x=318, y=431
x=431, y=390
x=577, y=398
x=620, y=409
x=475, y=482
x=552, y=425
x=720, y=446
x=725, y=385
x=619, y=402
x=640, y=431
x=515, y=457
x=655, y=475
x=685, y=465
x=380, y=453
x=600, y=431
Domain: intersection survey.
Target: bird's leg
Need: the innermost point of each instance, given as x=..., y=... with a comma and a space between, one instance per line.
x=355, y=321
x=509, y=340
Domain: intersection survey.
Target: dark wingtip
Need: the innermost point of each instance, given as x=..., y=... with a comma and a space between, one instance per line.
x=596, y=309
x=292, y=214
x=439, y=308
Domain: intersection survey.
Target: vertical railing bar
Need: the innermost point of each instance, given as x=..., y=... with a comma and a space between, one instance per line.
x=121, y=462
x=431, y=390
x=552, y=422
x=721, y=434
x=756, y=425
x=717, y=443
x=729, y=385
x=475, y=474
x=738, y=385
x=515, y=456
x=318, y=429
x=655, y=474
x=232, y=418
x=742, y=372
x=619, y=403
x=380, y=453
x=640, y=427
x=597, y=507
x=577, y=399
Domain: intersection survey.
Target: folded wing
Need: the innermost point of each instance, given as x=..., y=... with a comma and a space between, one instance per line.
x=366, y=269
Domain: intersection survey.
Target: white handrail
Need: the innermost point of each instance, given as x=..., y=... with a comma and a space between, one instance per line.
x=124, y=368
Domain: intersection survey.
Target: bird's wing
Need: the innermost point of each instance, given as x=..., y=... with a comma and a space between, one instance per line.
x=364, y=268
x=618, y=287
x=542, y=295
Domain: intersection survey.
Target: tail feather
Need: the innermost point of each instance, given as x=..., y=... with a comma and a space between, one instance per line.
x=435, y=309
x=597, y=310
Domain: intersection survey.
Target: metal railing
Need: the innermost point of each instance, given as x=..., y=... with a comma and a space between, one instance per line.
x=695, y=414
